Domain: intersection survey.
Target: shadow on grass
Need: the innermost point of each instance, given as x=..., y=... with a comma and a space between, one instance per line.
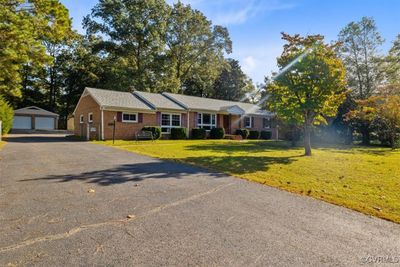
x=246, y=146
x=130, y=173
x=240, y=164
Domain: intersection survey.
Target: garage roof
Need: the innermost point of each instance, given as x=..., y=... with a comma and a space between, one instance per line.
x=33, y=110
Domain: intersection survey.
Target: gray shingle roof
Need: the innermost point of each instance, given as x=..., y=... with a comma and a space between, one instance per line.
x=158, y=101
x=215, y=105
x=118, y=99
x=33, y=110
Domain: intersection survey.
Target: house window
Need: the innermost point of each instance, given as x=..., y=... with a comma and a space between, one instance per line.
x=81, y=119
x=90, y=117
x=248, y=122
x=129, y=117
x=267, y=123
x=169, y=121
x=206, y=121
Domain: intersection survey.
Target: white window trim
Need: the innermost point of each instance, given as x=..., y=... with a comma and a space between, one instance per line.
x=244, y=121
x=170, y=122
x=129, y=121
x=90, y=114
x=200, y=125
x=81, y=119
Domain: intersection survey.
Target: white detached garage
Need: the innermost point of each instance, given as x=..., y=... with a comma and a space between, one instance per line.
x=34, y=118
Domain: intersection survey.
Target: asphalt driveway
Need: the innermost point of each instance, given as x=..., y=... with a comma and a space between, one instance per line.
x=67, y=203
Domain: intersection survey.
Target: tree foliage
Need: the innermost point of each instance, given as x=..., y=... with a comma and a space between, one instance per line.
x=232, y=84
x=360, y=42
x=23, y=26
x=312, y=88
x=6, y=116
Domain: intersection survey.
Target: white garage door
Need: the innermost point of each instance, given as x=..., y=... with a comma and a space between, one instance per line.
x=44, y=123
x=22, y=122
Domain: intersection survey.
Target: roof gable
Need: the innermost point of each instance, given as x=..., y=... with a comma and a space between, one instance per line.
x=34, y=110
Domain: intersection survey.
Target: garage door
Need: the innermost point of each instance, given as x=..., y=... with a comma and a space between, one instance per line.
x=22, y=122
x=44, y=123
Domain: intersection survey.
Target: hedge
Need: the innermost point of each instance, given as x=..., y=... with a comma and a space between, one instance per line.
x=217, y=133
x=178, y=133
x=266, y=135
x=243, y=132
x=199, y=133
x=155, y=130
x=6, y=116
x=254, y=135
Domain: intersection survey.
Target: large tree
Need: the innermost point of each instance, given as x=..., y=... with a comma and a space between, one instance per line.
x=23, y=26
x=132, y=36
x=392, y=63
x=195, y=47
x=232, y=83
x=312, y=86
x=359, y=50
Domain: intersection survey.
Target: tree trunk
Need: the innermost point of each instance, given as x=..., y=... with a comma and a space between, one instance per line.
x=365, y=137
x=307, y=139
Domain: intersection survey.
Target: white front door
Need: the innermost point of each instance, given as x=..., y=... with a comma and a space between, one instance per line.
x=44, y=123
x=22, y=122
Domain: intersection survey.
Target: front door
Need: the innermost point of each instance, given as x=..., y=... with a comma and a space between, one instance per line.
x=227, y=125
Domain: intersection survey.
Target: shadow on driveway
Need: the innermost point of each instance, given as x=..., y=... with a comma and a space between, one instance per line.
x=130, y=173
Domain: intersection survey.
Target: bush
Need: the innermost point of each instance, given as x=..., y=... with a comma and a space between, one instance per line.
x=198, y=133
x=178, y=133
x=243, y=132
x=254, y=135
x=6, y=116
x=217, y=133
x=155, y=130
x=266, y=135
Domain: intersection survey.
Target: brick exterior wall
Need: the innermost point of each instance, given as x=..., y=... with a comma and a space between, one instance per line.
x=127, y=130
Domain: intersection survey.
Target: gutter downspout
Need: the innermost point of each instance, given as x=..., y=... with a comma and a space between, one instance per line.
x=102, y=123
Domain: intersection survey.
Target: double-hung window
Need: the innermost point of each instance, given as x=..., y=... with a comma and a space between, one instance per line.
x=206, y=120
x=169, y=121
x=267, y=123
x=81, y=119
x=248, y=122
x=129, y=117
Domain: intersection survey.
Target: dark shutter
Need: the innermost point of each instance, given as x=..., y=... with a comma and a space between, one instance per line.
x=158, y=115
x=140, y=117
x=183, y=120
x=119, y=116
x=195, y=119
x=252, y=122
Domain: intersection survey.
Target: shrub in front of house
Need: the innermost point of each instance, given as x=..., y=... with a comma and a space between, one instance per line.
x=217, y=133
x=199, y=133
x=6, y=116
x=254, y=135
x=266, y=135
x=243, y=132
x=178, y=133
x=155, y=130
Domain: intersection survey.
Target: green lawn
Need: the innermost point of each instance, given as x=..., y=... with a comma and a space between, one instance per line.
x=360, y=178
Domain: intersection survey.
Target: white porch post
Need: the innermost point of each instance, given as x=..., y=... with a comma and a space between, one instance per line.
x=102, y=124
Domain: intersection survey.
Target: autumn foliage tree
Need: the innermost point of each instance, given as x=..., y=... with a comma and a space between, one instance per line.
x=312, y=86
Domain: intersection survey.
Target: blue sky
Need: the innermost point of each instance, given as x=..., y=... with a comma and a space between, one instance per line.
x=255, y=25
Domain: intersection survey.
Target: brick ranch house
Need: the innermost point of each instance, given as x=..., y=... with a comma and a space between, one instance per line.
x=97, y=109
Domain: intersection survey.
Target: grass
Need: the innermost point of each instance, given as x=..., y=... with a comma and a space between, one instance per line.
x=365, y=179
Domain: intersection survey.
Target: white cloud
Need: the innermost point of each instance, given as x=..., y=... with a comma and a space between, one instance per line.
x=249, y=64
